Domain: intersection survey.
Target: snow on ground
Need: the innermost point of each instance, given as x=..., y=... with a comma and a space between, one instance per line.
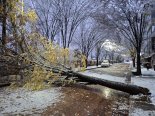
x=148, y=73
x=146, y=80
x=140, y=112
x=104, y=76
x=91, y=67
x=22, y=101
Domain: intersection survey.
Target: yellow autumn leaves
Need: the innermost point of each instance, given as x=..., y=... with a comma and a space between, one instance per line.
x=17, y=14
x=31, y=15
x=37, y=78
x=83, y=61
x=52, y=54
x=38, y=46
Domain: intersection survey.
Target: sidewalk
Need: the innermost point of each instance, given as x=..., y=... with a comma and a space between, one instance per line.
x=93, y=67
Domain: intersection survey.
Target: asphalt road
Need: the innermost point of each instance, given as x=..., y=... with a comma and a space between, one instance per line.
x=118, y=69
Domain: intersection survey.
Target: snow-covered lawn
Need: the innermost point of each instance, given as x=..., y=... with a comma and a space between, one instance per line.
x=148, y=73
x=22, y=101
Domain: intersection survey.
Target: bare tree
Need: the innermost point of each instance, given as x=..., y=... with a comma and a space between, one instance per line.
x=131, y=50
x=98, y=49
x=130, y=18
x=47, y=24
x=87, y=38
x=70, y=14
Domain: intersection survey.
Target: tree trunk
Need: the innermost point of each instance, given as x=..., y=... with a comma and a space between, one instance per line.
x=97, y=61
x=86, y=62
x=131, y=89
x=133, y=62
x=112, y=57
x=138, y=63
x=4, y=24
x=15, y=36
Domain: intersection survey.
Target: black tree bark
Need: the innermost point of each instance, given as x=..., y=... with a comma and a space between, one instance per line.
x=138, y=63
x=97, y=62
x=133, y=62
x=4, y=23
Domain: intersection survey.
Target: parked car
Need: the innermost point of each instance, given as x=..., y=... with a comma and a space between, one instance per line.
x=127, y=61
x=105, y=63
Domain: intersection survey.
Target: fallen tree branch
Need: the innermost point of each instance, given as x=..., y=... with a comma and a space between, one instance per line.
x=10, y=67
x=131, y=89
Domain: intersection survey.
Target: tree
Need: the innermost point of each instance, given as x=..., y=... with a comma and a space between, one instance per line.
x=47, y=23
x=10, y=11
x=130, y=18
x=87, y=38
x=3, y=5
x=18, y=22
x=112, y=48
x=70, y=14
x=98, y=49
x=133, y=55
